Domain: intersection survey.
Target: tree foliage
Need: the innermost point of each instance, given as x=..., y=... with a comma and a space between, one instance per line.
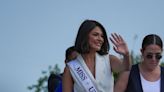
x=135, y=58
x=41, y=85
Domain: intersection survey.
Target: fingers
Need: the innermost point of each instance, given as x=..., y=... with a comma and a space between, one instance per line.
x=119, y=44
x=116, y=39
x=115, y=49
x=121, y=39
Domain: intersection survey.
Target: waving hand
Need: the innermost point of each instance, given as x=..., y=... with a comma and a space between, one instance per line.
x=119, y=44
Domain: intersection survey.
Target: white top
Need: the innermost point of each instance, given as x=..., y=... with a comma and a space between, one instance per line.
x=149, y=86
x=103, y=76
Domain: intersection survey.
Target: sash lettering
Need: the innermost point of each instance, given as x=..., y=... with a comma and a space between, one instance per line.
x=81, y=73
x=82, y=76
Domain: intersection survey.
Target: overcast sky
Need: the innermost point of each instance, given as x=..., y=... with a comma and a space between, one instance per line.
x=35, y=33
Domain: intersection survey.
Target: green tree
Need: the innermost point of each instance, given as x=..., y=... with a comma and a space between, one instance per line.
x=162, y=63
x=135, y=58
x=41, y=85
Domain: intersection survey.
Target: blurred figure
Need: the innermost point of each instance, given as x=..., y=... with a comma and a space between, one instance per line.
x=55, y=81
x=70, y=54
x=147, y=76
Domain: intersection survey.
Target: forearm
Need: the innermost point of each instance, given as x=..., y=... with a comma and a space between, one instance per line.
x=126, y=61
x=122, y=81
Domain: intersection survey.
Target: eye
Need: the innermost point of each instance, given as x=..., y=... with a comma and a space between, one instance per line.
x=158, y=56
x=149, y=56
x=95, y=34
x=102, y=36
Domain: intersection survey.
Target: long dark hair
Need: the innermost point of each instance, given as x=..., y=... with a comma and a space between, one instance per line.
x=81, y=43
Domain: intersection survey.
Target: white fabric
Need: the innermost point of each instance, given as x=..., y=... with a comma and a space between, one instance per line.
x=149, y=86
x=103, y=76
x=82, y=76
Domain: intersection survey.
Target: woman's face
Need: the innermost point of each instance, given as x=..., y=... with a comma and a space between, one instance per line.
x=96, y=39
x=152, y=55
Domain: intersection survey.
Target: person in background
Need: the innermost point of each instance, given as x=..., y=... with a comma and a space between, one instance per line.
x=148, y=75
x=92, y=70
x=53, y=81
x=70, y=54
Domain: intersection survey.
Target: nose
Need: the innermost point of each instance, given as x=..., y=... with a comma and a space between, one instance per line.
x=153, y=57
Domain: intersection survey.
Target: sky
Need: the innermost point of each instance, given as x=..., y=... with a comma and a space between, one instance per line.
x=34, y=34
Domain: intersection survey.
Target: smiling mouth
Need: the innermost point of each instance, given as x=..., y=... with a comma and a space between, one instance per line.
x=99, y=45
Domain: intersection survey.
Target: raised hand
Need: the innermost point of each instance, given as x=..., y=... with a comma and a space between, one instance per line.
x=119, y=44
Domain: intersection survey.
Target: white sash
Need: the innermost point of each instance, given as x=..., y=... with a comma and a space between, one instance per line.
x=82, y=76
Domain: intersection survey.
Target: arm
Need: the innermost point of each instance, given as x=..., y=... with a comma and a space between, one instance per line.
x=122, y=82
x=67, y=81
x=126, y=61
x=116, y=65
x=121, y=48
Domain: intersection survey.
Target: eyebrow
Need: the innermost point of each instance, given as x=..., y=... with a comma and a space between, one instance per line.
x=153, y=53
